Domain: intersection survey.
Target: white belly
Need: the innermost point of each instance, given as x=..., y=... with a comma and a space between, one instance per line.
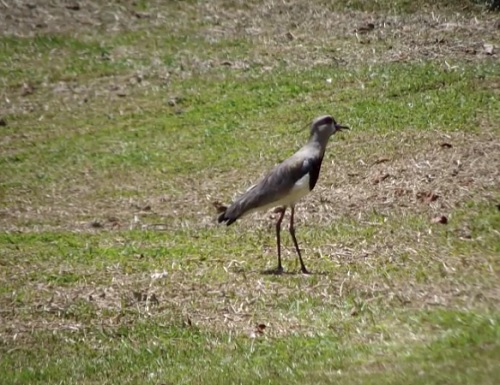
x=299, y=190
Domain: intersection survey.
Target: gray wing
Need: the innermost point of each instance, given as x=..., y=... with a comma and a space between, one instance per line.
x=274, y=186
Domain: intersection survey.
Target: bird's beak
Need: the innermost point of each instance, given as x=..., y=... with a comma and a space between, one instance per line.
x=339, y=127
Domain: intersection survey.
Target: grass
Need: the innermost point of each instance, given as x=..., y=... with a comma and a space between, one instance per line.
x=183, y=355
x=120, y=132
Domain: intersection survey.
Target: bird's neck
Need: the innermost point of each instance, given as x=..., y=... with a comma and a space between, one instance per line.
x=320, y=140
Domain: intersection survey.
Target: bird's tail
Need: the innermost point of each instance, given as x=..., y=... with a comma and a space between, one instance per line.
x=230, y=214
x=222, y=210
x=227, y=217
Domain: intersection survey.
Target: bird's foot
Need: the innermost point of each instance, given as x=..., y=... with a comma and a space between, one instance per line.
x=303, y=270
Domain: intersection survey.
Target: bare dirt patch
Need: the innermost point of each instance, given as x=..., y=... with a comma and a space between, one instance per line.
x=428, y=172
x=301, y=34
x=28, y=18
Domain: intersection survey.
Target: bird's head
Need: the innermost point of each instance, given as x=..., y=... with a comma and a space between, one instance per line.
x=326, y=126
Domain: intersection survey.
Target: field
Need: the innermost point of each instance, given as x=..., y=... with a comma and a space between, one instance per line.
x=122, y=125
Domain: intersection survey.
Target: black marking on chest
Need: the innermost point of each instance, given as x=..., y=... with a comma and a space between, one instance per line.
x=315, y=167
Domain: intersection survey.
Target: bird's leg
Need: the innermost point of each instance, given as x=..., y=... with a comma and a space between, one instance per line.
x=292, y=233
x=279, y=269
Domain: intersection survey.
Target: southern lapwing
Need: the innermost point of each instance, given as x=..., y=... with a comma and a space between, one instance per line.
x=287, y=183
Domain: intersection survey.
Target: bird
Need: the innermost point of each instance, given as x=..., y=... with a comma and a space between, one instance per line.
x=286, y=184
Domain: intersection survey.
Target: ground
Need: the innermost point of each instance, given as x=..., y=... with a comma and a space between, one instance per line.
x=124, y=124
